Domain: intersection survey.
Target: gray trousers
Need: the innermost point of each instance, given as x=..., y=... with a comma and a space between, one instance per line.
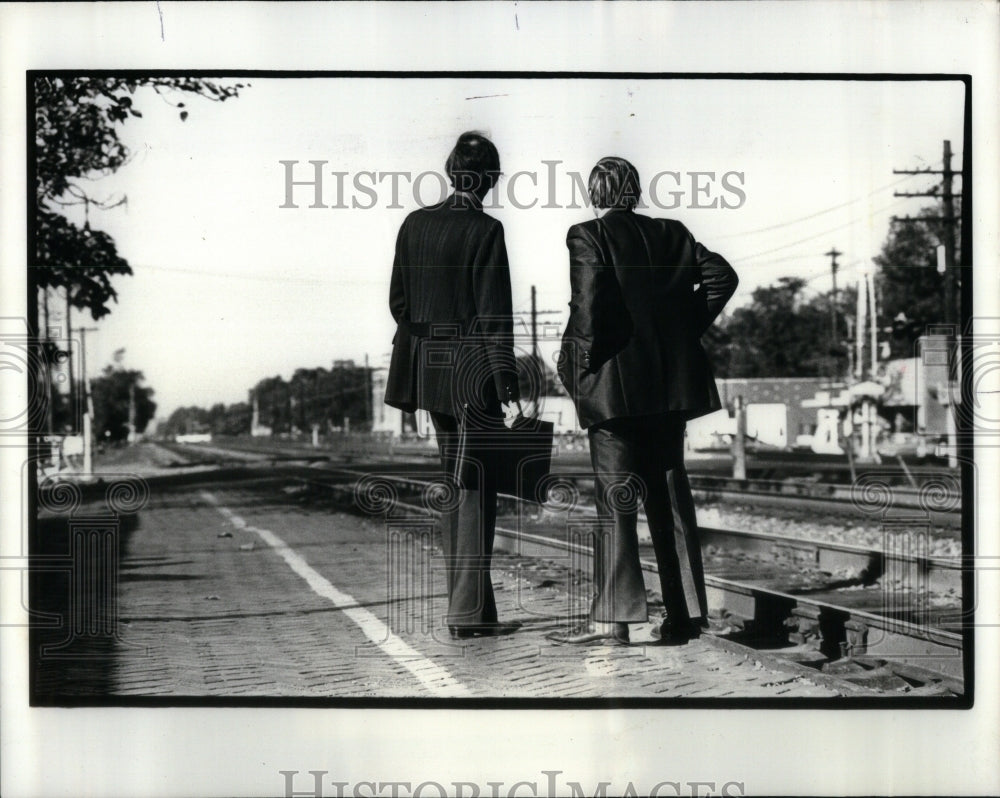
x=637, y=460
x=467, y=533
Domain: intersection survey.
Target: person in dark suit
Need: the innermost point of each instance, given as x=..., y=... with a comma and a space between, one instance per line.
x=453, y=356
x=643, y=293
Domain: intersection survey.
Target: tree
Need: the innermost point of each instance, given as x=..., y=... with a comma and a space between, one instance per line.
x=234, y=421
x=776, y=335
x=718, y=341
x=79, y=260
x=77, y=121
x=909, y=283
x=183, y=421
x=118, y=396
x=274, y=403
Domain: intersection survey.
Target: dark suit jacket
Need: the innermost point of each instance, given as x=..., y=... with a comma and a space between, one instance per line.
x=450, y=297
x=631, y=346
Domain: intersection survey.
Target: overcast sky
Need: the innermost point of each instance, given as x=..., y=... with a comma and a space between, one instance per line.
x=229, y=287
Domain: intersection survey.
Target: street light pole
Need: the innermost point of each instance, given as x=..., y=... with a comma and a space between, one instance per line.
x=88, y=406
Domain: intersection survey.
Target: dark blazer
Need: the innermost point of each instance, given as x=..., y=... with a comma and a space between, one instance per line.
x=450, y=297
x=643, y=292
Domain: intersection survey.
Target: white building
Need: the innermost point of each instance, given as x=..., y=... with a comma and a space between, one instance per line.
x=393, y=422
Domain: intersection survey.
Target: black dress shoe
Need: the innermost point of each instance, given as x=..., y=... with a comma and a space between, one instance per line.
x=677, y=634
x=483, y=630
x=588, y=635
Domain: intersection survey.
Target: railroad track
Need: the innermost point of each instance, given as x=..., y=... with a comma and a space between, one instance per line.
x=939, y=498
x=861, y=614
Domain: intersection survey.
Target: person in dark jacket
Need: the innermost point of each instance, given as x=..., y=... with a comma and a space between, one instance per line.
x=643, y=293
x=453, y=356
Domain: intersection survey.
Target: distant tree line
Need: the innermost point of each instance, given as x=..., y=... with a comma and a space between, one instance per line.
x=319, y=396
x=219, y=419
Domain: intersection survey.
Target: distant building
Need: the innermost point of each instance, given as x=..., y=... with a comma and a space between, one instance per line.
x=782, y=412
x=775, y=415
x=258, y=430
x=918, y=389
x=394, y=422
x=194, y=437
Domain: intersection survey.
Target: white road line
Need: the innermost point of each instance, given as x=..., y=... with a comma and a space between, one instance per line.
x=431, y=675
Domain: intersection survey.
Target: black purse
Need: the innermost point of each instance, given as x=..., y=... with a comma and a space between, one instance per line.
x=517, y=458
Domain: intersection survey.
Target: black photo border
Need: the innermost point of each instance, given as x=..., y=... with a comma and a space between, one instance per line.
x=965, y=453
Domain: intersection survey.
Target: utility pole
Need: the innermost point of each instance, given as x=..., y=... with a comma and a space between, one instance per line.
x=834, y=337
x=534, y=325
x=873, y=329
x=948, y=220
x=740, y=440
x=88, y=407
x=949, y=223
x=131, y=413
x=50, y=390
x=535, y=313
x=850, y=348
x=368, y=395
x=536, y=354
x=950, y=283
x=859, y=327
x=833, y=253
x=69, y=363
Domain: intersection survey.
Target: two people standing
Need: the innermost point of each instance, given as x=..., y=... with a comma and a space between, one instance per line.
x=643, y=292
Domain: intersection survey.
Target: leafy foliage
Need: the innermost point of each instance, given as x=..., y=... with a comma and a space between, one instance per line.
x=219, y=419
x=315, y=396
x=112, y=394
x=777, y=335
x=312, y=396
x=909, y=283
x=77, y=121
x=84, y=259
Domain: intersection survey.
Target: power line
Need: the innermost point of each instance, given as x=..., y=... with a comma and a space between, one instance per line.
x=812, y=215
x=816, y=235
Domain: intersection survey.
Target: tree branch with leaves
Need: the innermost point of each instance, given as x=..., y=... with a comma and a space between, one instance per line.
x=77, y=126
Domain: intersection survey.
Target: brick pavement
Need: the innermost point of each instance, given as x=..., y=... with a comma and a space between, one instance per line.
x=210, y=605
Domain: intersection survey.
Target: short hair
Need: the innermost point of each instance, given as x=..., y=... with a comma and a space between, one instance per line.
x=474, y=164
x=614, y=183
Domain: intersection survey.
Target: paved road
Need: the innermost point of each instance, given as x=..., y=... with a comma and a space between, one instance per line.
x=236, y=590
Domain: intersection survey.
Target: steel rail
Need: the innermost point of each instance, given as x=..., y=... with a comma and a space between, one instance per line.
x=915, y=647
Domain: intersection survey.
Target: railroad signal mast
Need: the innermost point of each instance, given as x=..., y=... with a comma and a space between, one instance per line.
x=865, y=391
